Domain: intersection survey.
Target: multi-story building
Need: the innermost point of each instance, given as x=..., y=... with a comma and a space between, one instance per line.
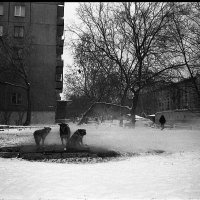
x=43, y=23
x=177, y=102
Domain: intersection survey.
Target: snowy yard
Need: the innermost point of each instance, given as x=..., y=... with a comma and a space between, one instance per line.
x=174, y=174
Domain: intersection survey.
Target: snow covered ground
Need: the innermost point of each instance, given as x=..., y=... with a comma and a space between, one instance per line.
x=172, y=175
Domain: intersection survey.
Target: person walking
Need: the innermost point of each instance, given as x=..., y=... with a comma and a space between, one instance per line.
x=162, y=121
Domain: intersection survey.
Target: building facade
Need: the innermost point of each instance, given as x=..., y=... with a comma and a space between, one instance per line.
x=176, y=96
x=43, y=24
x=178, y=102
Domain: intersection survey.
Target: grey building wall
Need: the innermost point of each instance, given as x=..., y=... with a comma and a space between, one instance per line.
x=41, y=23
x=170, y=99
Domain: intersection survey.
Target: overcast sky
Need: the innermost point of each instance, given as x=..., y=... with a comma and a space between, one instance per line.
x=69, y=17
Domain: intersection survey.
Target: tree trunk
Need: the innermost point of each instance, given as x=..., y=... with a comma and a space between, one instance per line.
x=133, y=117
x=28, y=115
x=84, y=117
x=122, y=104
x=133, y=108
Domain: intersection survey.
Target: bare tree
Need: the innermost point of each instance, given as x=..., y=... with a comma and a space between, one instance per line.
x=14, y=61
x=98, y=77
x=181, y=41
x=129, y=34
x=185, y=39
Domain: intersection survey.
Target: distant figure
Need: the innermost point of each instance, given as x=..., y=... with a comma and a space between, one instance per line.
x=86, y=120
x=101, y=119
x=96, y=120
x=162, y=121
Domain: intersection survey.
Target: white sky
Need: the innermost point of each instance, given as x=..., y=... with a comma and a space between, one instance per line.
x=69, y=18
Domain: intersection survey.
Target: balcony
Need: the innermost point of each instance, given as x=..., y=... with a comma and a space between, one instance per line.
x=60, y=31
x=59, y=50
x=60, y=21
x=59, y=41
x=59, y=63
x=58, y=98
x=59, y=69
x=60, y=10
x=59, y=85
x=62, y=3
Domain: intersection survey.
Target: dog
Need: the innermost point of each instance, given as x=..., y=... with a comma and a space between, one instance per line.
x=64, y=133
x=41, y=135
x=76, y=140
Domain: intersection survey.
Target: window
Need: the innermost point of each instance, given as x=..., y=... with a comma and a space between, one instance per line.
x=17, y=54
x=19, y=31
x=19, y=11
x=16, y=98
x=1, y=31
x=1, y=9
x=20, y=53
x=58, y=77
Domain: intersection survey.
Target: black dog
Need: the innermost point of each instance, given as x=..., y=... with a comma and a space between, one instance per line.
x=64, y=132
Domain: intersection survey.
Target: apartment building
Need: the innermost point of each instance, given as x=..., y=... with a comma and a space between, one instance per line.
x=42, y=23
x=176, y=96
x=178, y=102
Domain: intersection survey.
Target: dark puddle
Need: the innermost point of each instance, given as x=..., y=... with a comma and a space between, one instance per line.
x=56, y=153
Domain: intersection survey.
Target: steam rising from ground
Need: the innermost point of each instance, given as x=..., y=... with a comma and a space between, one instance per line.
x=112, y=137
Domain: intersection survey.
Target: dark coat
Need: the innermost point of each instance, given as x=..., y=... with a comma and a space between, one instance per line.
x=162, y=119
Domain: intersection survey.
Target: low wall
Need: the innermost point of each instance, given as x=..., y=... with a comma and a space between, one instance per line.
x=18, y=118
x=45, y=117
x=179, y=116
x=12, y=117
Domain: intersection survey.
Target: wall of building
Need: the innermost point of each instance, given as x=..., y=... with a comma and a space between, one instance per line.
x=5, y=98
x=181, y=95
x=18, y=118
x=45, y=117
x=43, y=56
x=61, y=110
x=43, y=78
x=179, y=116
x=12, y=117
x=147, y=103
x=41, y=23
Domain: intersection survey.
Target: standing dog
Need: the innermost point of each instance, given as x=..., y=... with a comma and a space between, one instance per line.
x=64, y=132
x=41, y=135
